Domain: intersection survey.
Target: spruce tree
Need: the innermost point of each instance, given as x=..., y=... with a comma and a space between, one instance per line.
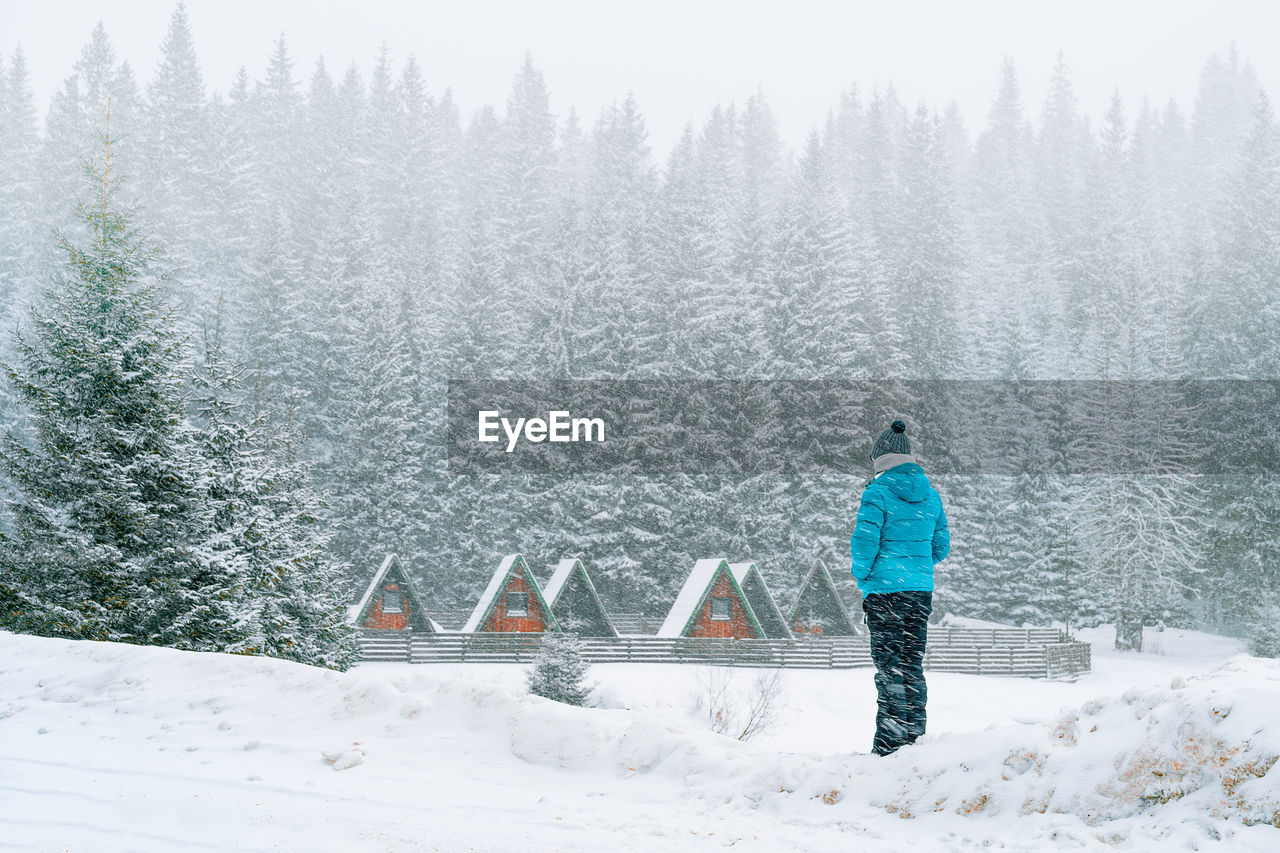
x=19, y=228
x=302, y=597
x=108, y=511
x=1264, y=642
x=559, y=671
x=1140, y=510
x=1062, y=147
x=175, y=158
x=1239, y=314
x=287, y=597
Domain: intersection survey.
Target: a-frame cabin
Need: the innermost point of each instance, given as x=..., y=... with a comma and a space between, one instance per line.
x=711, y=604
x=511, y=602
x=819, y=609
x=574, y=601
x=391, y=603
x=761, y=600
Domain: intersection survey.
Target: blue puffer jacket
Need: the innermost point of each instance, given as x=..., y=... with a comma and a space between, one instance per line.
x=901, y=532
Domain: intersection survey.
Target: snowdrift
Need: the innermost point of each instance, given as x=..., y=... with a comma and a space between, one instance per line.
x=108, y=746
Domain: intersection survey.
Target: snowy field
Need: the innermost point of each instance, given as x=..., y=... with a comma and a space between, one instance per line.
x=107, y=747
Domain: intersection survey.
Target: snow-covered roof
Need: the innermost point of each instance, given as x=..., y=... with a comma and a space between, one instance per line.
x=496, y=584
x=418, y=613
x=691, y=595
x=353, y=613
x=490, y=591
x=563, y=569
x=741, y=572
x=559, y=582
x=820, y=578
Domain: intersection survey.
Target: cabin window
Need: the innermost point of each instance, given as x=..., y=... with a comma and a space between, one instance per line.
x=517, y=604
x=720, y=609
x=392, y=602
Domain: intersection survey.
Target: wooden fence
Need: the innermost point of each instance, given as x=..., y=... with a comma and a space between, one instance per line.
x=1027, y=653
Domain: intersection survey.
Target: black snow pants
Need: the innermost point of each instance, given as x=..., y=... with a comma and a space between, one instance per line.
x=898, y=622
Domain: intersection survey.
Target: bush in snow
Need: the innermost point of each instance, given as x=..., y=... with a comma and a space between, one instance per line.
x=734, y=715
x=559, y=671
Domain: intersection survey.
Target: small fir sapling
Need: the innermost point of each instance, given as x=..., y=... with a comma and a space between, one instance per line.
x=559, y=671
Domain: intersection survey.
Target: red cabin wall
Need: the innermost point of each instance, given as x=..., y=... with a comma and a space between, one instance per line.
x=801, y=627
x=737, y=626
x=535, y=622
x=378, y=620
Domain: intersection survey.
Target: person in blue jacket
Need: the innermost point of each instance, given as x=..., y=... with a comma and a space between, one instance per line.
x=900, y=534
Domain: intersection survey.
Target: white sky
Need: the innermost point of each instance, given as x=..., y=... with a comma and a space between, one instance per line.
x=680, y=57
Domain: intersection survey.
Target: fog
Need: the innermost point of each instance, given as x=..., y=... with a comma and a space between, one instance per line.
x=679, y=57
x=363, y=239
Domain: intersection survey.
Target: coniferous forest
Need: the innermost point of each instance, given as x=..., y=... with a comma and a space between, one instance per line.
x=337, y=244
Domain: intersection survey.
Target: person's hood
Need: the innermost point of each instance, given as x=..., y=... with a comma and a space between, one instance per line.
x=906, y=481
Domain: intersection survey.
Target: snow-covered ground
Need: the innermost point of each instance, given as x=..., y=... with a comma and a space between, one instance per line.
x=107, y=747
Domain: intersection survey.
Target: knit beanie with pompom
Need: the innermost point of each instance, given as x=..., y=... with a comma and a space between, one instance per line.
x=892, y=440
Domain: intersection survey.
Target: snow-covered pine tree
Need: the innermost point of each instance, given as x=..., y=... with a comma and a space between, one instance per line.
x=1062, y=148
x=70, y=124
x=621, y=320
x=1002, y=218
x=236, y=223
x=230, y=481
x=379, y=461
x=875, y=222
x=304, y=619
x=1139, y=512
x=1264, y=642
x=109, y=514
x=554, y=311
x=473, y=301
x=1214, y=157
x=175, y=159
x=762, y=175
x=1244, y=310
x=278, y=138
x=380, y=139
x=1239, y=311
x=1225, y=100
x=526, y=163
x=719, y=311
x=559, y=670
x=289, y=599
x=816, y=329
x=416, y=219
x=683, y=259
x=925, y=250
x=20, y=247
x=311, y=588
